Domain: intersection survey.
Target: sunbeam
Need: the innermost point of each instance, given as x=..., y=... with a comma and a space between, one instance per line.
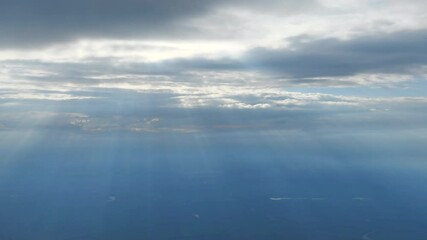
x=208, y=120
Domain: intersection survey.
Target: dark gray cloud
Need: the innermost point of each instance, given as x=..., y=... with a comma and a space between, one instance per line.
x=25, y=23
x=306, y=58
x=30, y=23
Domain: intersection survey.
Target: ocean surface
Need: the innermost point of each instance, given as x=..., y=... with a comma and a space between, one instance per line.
x=99, y=189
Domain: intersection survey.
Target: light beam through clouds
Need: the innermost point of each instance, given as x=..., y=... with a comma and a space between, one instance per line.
x=179, y=119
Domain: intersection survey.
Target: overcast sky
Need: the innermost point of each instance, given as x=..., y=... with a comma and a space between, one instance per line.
x=202, y=67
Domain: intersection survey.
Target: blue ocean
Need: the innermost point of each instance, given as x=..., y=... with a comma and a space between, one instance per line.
x=206, y=187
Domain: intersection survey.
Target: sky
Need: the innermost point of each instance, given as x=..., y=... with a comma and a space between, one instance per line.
x=207, y=67
x=314, y=87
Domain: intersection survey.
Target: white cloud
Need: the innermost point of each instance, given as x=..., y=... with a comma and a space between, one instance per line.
x=43, y=96
x=126, y=50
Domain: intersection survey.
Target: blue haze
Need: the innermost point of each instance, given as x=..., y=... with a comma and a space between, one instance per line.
x=295, y=177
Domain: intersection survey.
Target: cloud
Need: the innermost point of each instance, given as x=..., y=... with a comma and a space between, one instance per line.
x=187, y=108
x=377, y=60
x=250, y=23
x=296, y=199
x=149, y=60
x=306, y=58
x=48, y=21
x=178, y=83
x=42, y=96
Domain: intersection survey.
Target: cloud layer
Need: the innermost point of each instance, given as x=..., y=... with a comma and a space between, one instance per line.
x=82, y=58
